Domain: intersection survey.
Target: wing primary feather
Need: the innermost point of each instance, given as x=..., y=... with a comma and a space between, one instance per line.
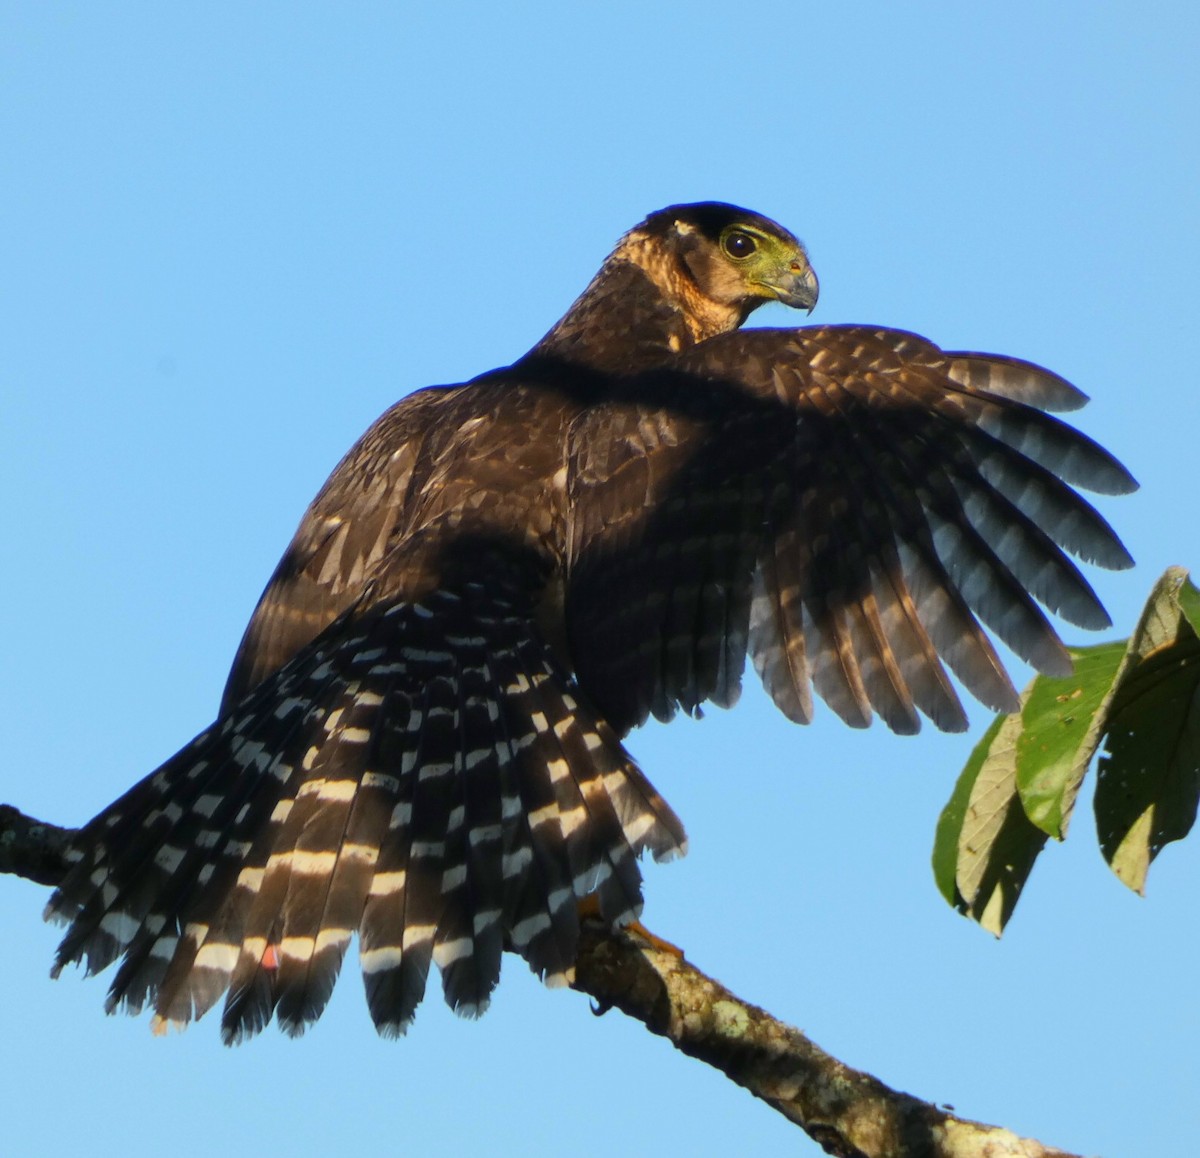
x=1013, y=378
x=1064, y=451
x=1062, y=513
x=1031, y=554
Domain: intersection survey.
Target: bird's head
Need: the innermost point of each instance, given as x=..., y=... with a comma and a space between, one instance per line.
x=736, y=258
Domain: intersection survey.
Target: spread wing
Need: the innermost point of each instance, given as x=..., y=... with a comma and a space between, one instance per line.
x=847, y=505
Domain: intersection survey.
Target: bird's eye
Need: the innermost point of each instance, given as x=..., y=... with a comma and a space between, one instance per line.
x=739, y=244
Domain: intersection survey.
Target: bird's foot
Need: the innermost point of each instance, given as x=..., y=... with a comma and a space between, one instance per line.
x=589, y=909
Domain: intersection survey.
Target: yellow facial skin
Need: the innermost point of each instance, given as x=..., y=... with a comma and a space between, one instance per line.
x=769, y=266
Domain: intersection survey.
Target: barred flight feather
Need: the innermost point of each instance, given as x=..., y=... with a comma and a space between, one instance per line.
x=1011, y=378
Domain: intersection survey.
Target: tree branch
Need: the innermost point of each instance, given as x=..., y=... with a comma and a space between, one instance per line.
x=31, y=849
x=848, y=1113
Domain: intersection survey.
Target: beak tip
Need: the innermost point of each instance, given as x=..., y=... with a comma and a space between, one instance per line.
x=804, y=289
x=796, y=286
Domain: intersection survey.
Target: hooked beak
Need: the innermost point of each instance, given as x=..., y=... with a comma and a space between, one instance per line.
x=797, y=285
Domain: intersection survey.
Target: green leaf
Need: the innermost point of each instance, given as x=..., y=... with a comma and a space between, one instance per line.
x=1149, y=776
x=1141, y=698
x=984, y=834
x=949, y=826
x=1061, y=721
x=1189, y=600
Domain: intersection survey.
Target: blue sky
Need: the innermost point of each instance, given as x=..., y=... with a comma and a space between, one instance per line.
x=234, y=234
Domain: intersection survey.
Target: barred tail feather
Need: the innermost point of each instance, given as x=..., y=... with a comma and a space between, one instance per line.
x=173, y=839
x=469, y=939
x=381, y=926
x=318, y=946
x=544, y=808
x=426, y=776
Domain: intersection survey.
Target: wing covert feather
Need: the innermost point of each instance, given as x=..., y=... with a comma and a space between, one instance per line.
x=342, y=538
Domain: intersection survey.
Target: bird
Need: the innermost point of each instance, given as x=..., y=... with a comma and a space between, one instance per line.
x=420, y=741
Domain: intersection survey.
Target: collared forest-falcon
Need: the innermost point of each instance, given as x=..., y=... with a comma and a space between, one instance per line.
x=420, y=739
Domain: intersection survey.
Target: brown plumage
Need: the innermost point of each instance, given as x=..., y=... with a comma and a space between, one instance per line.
x=419, y=741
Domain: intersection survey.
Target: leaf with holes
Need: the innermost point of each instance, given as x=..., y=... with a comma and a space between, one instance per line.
x=1141, y=698
x=1149, y=775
